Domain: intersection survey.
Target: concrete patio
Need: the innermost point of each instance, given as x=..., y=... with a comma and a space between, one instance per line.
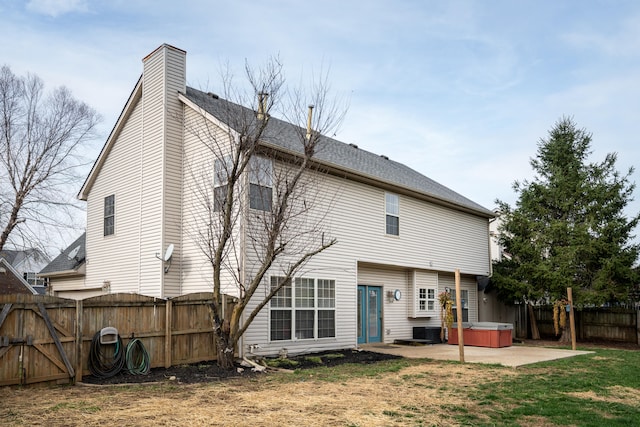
x=516, y=355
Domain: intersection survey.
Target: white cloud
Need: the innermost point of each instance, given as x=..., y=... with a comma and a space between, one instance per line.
x=623, y=42
x=57, y=7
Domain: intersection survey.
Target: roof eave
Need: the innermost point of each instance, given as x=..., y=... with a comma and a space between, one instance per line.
x=136, y=94
x=373, y=180
x=73, y=272
x=204, y=113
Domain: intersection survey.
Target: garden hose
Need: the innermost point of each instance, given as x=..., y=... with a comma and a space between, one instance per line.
x=102, y=364
x=137, y=358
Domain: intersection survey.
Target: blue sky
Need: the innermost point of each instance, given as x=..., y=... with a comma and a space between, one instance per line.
x=461, y=91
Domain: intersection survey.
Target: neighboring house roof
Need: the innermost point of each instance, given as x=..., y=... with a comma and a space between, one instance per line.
x=69, y=261
x=345, y=157
x=11, y=281
x=21, y=260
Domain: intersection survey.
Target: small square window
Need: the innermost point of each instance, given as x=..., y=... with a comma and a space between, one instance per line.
x=426, y=299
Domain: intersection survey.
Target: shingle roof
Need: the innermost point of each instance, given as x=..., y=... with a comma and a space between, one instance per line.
x=338, y=154
x=9, y=255
x=65, y=262
x=11, y=282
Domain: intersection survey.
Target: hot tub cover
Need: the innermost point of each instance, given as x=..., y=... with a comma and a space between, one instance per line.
x=487, y=326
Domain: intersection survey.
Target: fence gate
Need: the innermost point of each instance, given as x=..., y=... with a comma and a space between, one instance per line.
x=37, y=342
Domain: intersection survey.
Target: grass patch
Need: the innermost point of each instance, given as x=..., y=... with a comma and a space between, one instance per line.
x=600, y=389
x=282, y=363
x=348, y=371
x=316, y=360
x=573, y=391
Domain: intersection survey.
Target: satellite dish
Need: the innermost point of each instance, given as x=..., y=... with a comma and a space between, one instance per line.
x=74, y=252
x=169, y=252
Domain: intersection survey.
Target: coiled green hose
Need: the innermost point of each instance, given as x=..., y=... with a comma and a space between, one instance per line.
x=103, y=364
x=137, y=358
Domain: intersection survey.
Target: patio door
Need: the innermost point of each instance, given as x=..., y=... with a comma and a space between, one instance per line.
x=369, y=314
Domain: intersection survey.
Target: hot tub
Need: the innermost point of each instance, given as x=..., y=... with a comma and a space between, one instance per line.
x=483, y=334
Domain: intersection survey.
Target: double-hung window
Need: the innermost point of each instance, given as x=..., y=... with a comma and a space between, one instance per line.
x=221, y=170
x=464, y=299
x=260, y=183
x=280, y=312
x=109, y=215
x=392, y=206
x=304, y=310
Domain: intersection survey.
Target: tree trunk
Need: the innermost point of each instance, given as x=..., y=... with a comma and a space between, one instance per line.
x=565, y=336
x=535, y=333
x=225, y=350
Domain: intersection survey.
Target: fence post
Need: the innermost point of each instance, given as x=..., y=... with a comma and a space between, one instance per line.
x=459, y=315
x=167, y=334
x=572, y=319
x=79, y=329
x=638, y=326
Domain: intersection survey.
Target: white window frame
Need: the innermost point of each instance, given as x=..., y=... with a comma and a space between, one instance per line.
x=109, y=216
x=426, y=300
x=423, y=288
x=221, y=169
x=260, y=183
x=392, y=210
x=298, y=299
x=465, y=301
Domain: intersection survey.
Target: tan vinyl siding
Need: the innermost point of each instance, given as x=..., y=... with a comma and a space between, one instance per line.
x=345, y=302
x=115, y=259
x=397, y=324
x=172, y=175
x=78, y=295
x=330, y=264
x=197, y=186
x=66, y=283
x=142, y=170
x=151, y=200
x=431, y=237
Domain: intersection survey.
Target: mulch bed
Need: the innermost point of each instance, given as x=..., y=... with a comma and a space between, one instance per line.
x=210, y=372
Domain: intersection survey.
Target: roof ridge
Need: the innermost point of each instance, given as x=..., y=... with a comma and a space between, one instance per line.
x=344, y=156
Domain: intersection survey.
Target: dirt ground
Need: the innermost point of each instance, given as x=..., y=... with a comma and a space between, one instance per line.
x=418, y=392
x=414, y=392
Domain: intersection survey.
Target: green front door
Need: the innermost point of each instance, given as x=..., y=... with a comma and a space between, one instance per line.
x=369, y=314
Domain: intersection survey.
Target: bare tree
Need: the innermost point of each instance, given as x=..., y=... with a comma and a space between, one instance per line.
x=40, y=139
x=262, y=212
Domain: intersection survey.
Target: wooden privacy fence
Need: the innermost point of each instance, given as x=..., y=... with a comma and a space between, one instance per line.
x=597, y=323
x=48, y=339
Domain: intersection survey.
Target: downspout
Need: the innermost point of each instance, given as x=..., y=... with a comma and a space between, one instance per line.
x=244, y=224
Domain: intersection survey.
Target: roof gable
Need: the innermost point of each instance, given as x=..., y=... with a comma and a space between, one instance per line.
x=135, y=96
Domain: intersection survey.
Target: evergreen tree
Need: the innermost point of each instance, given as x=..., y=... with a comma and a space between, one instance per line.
x=568, y=228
